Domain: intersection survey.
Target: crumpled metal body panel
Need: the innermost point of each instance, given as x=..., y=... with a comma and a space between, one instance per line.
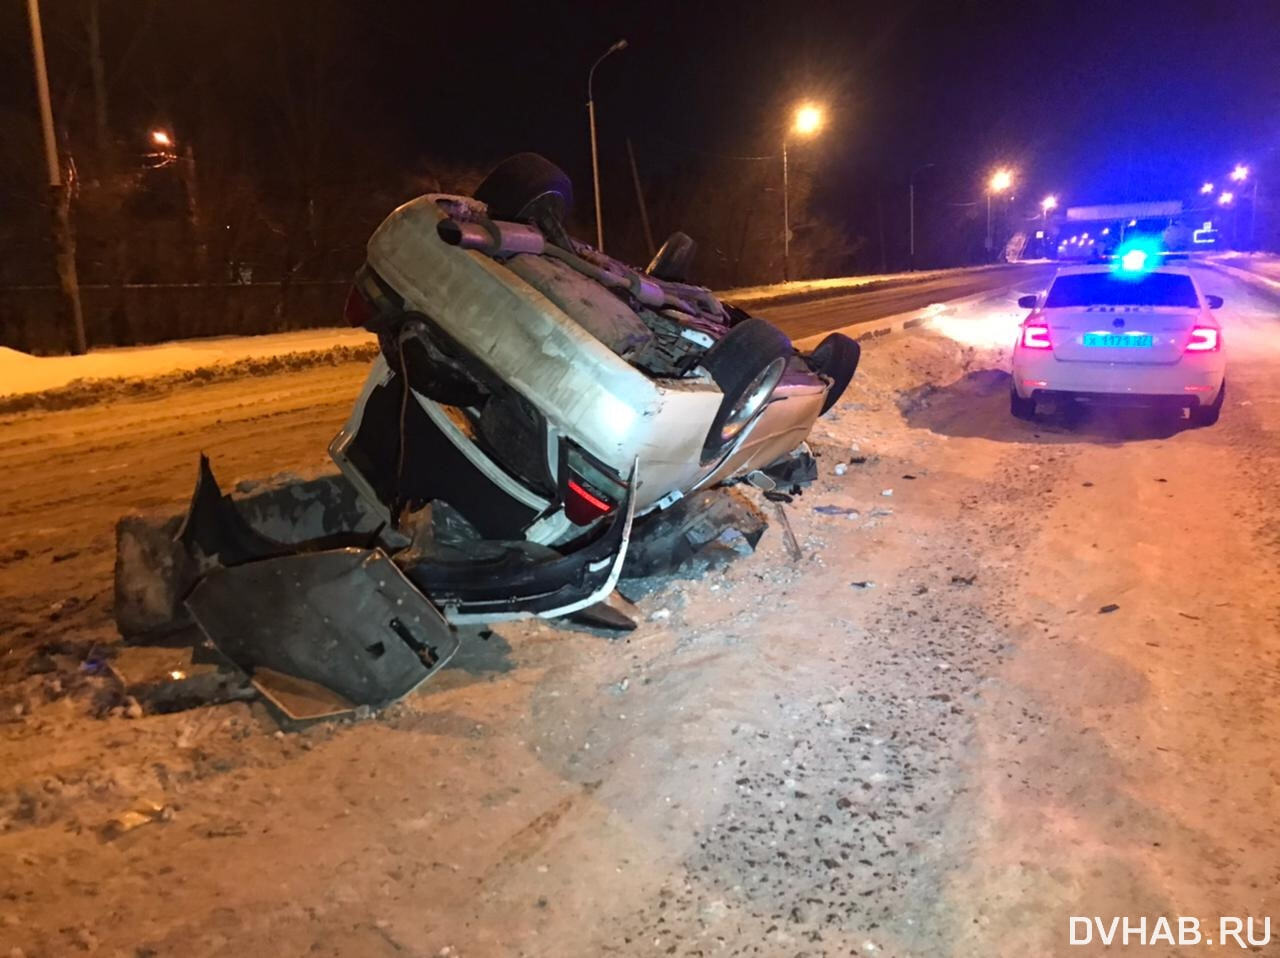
x=345, y=619
x=511, y=580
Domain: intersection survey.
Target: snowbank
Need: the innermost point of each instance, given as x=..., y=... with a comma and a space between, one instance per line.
x=22, y=374
x=757, y=295
x=1260, y=269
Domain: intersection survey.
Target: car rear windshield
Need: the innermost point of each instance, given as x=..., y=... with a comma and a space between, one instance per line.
x=1110, y=289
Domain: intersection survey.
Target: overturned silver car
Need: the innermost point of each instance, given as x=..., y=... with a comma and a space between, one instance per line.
x=536, y=406
x=541, y=373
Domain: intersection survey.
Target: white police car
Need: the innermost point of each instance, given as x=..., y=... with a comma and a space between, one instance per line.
x=1132, y=331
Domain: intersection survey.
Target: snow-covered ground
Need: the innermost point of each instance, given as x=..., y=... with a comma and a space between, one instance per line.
x=1019, y=672
x=21, y=373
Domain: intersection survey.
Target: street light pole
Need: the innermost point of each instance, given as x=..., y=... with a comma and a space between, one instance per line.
x=988, y=220
x=595, y=155
x=1000, y=181
x=786, y=218
x=63, y=240
x=1253, y=216
x=806, y=122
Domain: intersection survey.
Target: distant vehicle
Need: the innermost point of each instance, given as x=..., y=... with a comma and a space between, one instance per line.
x=1121, y=333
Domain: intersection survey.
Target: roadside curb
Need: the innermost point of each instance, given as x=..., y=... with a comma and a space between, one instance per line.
x=901, y=322
x=898, y=281
x=92, y=390
x=1257, y=280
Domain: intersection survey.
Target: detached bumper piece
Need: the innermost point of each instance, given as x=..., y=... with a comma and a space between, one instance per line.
x=324, y=633
x=329, y=624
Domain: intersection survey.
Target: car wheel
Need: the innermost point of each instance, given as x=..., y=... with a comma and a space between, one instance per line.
x=1020, y=408
x=673, y=260
x=746, y=364
x=836, y=357
x=1208, y=415
x=523, y=185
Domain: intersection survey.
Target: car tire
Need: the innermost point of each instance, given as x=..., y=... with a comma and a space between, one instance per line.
x=673, y=260
x=521, y=186
x=836, y=357
x=746, y=364
x=1019, y=408
x=1208, y=415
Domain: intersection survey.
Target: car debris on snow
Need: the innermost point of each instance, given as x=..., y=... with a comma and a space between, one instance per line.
x=847, y=511
x=788, y=536
x=542, y=421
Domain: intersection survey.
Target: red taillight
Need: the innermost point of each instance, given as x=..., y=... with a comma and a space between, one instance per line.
x=1036, y=336
x=1204, y=339
x=583, y=506
x=358, y=311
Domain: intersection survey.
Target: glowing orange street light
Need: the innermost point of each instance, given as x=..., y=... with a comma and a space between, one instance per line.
x=161, y=138
x=808, y=119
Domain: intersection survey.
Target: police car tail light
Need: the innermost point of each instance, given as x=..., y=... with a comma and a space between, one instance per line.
x=1035, y=335
x=1204, y=339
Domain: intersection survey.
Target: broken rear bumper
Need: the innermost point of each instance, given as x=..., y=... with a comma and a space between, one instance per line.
x=500, y=580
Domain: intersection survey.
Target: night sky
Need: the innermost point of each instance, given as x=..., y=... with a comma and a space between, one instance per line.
x=1098, y=101
x=1093, y=101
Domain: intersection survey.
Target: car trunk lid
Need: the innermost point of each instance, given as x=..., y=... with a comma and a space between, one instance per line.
x=1120, y=334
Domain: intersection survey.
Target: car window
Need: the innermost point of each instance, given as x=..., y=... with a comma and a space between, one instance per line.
x=1110, y=289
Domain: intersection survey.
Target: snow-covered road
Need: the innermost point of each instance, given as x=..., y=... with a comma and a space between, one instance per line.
x=924, y=738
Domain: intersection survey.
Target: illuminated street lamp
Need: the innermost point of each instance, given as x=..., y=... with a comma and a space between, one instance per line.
x=1047, y=204
x=1206, y=189
x=806, y=122
x=1000, y=181
x=1225, y=198
x=1240, y=173
x=595, y=157
x=161, y=139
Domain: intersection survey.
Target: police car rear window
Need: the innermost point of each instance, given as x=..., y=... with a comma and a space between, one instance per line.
x=1109, y=289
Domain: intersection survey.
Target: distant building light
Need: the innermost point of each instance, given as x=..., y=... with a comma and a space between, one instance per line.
x=1039, y=234
x=1106, y=231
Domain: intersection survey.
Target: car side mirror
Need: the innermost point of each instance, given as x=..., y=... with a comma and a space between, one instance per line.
x=1029, y=301
x=1213, y=302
